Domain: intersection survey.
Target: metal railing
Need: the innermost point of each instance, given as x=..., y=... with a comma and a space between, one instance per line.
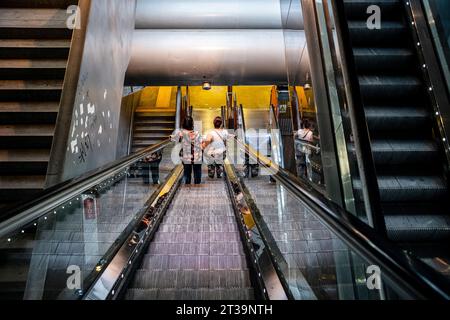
x=62, y=193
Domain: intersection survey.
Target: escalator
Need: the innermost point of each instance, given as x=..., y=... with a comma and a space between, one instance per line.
x=408, y=154
x=107, y=235
x=197, y=253
x=378, y=94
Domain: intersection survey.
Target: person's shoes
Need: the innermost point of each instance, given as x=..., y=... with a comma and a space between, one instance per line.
x=157, y=183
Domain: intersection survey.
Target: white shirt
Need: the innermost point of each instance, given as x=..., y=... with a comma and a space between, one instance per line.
x=217, y=148
x=305, y=135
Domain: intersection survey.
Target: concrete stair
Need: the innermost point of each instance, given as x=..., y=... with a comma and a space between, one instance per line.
x=34, y=48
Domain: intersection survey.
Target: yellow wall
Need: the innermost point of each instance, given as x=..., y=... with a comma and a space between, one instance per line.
x=253, y=96
x=157, y=98
x=306, y=100
x=214, y=98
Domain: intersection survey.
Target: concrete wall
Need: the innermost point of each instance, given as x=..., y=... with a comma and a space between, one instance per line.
x=91, y=139
x=129, y=105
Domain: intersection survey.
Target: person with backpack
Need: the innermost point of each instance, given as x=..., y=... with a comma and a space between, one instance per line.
x=191, y=152
x=215, y=147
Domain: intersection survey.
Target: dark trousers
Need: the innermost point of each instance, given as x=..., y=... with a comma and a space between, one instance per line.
x=215, y=169
x=153, y=169
x=188, y=168
x=251, y=170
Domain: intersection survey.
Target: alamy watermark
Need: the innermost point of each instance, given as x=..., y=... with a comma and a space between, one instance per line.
x=74, y=280
x=73, y=20
x=374, y=20
x=373, y=280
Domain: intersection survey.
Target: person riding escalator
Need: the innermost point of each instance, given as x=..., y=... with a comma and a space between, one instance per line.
x=215, y=147
x=151, y=167
x=191, y=153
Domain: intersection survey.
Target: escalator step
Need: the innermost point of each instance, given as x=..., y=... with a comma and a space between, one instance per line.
x=357, y=9
x=428, y=228
x=389, y=89
x=211, y=262
x=398, y=152
x=408, y=189
x=183, y=279
x=390, y=119
x=190, y=294
x=216, y=248
x=369, y=60
x=391, y=34
x=205, y=237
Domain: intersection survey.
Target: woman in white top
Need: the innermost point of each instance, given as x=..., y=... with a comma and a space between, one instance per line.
x=215, y=147
x=305, y=137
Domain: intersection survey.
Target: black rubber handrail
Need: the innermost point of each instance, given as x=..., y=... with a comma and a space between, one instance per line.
x=405, y=271
x=57, y=195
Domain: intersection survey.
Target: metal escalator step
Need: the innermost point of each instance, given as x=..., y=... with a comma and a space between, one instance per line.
x=198, y=228
x=400, y=152
x=391, y=34
x=216, y=248
x=369, y=60
x=409, y=120
x=204, y=237
x=202, y=262
x=418, y=228
x=389, y=89
x=194, y=279
x=190, y=294
x=357, y=9
x=200, y=219
x=141, y=294
x=408, y=189
x=416, y=208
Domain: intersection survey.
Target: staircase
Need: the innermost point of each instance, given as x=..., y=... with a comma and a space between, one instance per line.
x=152, y=127
x=407, y=153
x=34, y=48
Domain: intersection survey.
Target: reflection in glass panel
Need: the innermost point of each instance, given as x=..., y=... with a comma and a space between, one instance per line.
x=56, y=256
x=301, y=96
x=319, y=265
